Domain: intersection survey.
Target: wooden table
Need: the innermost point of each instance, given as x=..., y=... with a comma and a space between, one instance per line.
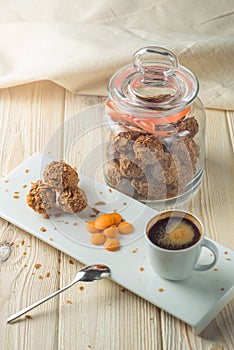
x=106, y=317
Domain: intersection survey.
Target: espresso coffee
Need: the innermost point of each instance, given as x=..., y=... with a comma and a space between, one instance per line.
x=174, y=233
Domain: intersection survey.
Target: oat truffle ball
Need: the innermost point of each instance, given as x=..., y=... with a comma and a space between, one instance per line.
x=60, y=175
x=129, y=168
x=72, y=200
x=41, y=197
x=148, y=149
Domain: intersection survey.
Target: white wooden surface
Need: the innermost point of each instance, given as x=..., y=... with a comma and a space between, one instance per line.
x=101, y=316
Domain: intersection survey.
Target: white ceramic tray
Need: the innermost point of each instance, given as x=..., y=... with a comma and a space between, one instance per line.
x=195, y=301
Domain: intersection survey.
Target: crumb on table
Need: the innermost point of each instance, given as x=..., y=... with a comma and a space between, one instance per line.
x=28, y=316
x=37, y=266
x=100, y=203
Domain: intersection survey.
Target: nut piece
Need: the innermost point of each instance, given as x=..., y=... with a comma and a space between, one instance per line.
x=41, y=197
x=60, y=175
x=125, y=228
x=112, y=245
x=97, y=239
x=72, y=200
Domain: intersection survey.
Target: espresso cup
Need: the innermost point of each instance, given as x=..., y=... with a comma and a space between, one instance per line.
x=175, y=240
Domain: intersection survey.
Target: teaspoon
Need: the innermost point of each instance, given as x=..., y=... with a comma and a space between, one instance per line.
x=87, y=274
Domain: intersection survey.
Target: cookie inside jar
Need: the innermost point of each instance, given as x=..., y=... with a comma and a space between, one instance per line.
x=156, y=129
x=150, y=165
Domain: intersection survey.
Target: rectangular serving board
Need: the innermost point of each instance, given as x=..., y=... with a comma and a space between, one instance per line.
x=195, y=301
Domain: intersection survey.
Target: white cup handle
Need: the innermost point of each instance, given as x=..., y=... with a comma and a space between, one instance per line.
x=213, y=248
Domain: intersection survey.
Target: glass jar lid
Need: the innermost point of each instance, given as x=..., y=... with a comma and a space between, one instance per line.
x=160, y=85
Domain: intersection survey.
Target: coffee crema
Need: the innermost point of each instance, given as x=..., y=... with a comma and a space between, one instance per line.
x=174, y=233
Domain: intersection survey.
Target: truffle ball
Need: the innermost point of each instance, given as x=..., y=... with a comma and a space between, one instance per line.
x=121, y=142
x=117, y=181
x=129, y=168
x=148, y=149
x=72, y=200
x=189, y=124
x=187, y=151
x=41, y=197
x=149, y=189
x=60, y=175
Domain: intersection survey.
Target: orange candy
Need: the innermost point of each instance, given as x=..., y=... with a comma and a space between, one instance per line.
x=125, y=228
x=112, y=245
x=91, y=227
x=97, y=239
x=111, y=232
x=106, y=228
x=117, y=218
x=104, y=221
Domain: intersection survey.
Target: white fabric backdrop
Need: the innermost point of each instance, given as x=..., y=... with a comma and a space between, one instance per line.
x=79, y=44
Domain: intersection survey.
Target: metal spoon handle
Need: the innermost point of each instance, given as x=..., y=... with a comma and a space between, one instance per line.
x=87, y=274
x=39, y=302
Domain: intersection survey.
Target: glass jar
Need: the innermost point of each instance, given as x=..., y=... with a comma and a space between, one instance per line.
x=156, y=129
